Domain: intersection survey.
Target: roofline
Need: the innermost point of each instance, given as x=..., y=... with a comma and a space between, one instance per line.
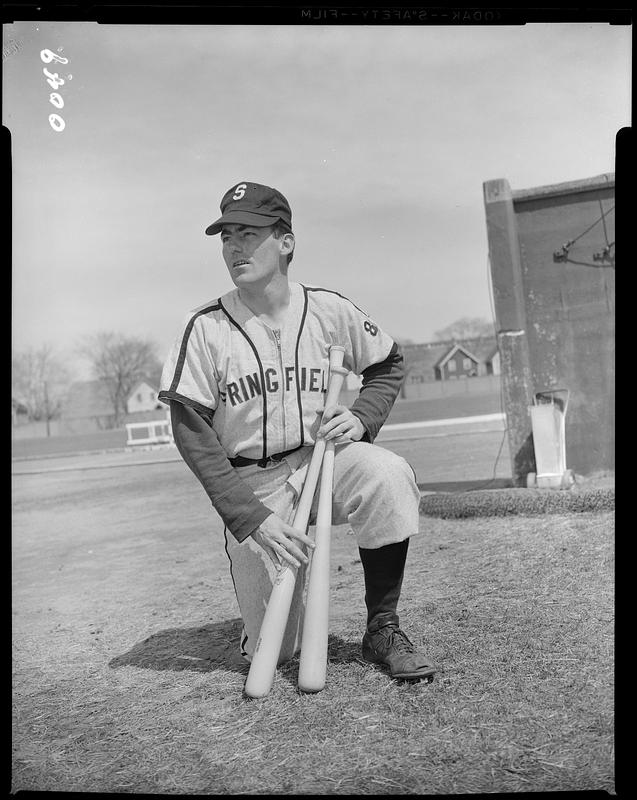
x=454, y=349
x=139, y=383
x=604, y=181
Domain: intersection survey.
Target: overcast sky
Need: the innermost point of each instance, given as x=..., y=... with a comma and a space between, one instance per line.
x=380, y=137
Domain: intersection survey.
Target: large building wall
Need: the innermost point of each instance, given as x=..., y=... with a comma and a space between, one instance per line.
x=553, y=273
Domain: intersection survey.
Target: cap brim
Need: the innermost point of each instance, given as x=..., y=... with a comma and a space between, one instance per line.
x=241, y=218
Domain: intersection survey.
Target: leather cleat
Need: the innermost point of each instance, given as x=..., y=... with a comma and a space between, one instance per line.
x=386, y=644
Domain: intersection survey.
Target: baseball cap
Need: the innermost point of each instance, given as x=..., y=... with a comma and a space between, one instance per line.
x=251, y=204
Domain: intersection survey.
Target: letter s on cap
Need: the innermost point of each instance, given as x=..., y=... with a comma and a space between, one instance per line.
x=239, y=191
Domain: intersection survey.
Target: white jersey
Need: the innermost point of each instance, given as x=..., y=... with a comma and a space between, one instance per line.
x=264, y=387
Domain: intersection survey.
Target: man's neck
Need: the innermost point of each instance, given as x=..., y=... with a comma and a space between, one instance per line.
x=269, y=303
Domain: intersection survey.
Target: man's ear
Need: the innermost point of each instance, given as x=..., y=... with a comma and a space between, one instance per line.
x=287, y=243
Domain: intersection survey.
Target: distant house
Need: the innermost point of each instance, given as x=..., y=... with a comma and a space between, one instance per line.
x=420, y=365
x=88, y=407
x=143, y=398
x=486, y=351
x=449, y=360
x=458, y=362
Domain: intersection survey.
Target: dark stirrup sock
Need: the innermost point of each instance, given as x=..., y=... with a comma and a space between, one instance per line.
x=383, y=569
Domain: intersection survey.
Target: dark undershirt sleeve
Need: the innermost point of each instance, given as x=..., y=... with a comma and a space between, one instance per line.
x=197, y=442
x=379, y=390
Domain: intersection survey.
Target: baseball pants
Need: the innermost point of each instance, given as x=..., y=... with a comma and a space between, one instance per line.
x=375, y=493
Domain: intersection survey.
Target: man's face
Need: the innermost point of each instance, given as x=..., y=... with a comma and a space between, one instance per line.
x=251, y=254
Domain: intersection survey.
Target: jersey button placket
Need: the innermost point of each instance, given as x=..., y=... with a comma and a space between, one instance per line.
x=279, y=349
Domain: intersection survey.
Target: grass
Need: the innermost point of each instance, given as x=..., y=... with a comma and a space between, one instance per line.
x=127, y=678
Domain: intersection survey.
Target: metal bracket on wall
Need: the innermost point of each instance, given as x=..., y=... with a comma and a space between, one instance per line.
x=605, y=255
x=560, y=256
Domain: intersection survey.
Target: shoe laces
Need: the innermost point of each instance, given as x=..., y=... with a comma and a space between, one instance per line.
x=396, y=638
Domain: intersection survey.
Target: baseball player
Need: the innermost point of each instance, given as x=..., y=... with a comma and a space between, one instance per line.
x=246, y=381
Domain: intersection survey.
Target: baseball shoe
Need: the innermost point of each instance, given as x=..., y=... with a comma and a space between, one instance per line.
x=386, y=644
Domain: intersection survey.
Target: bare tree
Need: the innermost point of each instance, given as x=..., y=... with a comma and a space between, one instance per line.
x=39, y=380
x=120, y=362
x=466, y=328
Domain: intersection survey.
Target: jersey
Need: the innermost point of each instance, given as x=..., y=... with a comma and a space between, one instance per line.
x=263, y=387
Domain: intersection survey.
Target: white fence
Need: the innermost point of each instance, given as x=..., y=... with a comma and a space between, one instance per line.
x=157, y=431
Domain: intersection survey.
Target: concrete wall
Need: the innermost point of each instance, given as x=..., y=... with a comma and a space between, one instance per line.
x=555, y=311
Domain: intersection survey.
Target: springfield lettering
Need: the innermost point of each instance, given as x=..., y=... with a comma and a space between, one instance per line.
x=249, y=386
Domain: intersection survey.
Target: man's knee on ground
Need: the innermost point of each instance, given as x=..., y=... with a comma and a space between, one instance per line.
x=386, y=469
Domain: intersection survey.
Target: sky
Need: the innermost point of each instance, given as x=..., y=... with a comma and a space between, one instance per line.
x=381, y=138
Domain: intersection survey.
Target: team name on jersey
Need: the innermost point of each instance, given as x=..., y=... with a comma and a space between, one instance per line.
x=311, y=379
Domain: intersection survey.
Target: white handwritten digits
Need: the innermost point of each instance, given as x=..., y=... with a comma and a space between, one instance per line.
x=56, y=122
x=239, y=192
x=47, y=56
x=54, y=81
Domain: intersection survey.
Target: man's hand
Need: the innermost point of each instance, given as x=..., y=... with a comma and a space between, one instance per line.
x=279, y=540
x=341, y=425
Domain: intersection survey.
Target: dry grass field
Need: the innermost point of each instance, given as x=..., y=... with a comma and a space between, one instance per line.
x=126, y=676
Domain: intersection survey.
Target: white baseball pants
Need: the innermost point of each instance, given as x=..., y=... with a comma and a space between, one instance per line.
x=375, y=493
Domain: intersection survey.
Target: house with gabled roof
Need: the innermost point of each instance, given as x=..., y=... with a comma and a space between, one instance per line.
x=144, y=397
x=87, y=406
x=420, y=365
x=458, y=362
x=486, y=351
x=449, y=360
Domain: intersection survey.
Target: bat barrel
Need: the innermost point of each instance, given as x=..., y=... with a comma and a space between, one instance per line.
x=266, y=653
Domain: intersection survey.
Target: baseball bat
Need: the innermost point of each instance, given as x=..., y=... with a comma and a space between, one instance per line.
x=266, y=653
x=313, y=662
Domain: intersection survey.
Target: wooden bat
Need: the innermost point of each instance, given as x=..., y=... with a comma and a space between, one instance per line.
x=266, y=654
x=313, y=663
